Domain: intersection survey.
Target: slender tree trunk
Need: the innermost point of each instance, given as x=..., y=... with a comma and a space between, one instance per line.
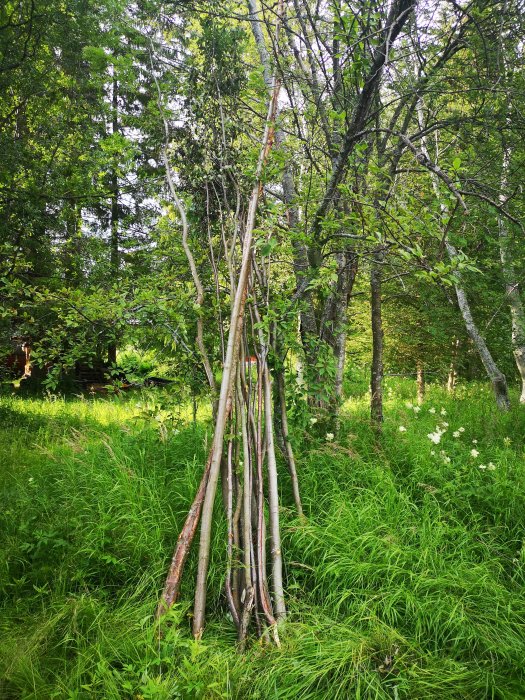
x=264, y=596
x=301, y=265
x=114, y=261
x=72, y=246
x=249, y=592
x=376, y=379
x=499, y=382
x=497, y=378
x=333, y=324
x=273, y=498
x=453, y=371
x=340, y=360
x=199, y=289
x=288, y=450
x=512, y=287
x=233, y=602
x=420, y=382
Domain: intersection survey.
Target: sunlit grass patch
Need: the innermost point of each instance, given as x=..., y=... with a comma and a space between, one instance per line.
x=406, y=581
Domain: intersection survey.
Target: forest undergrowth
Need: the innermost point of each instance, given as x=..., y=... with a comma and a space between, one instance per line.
x=405, y=581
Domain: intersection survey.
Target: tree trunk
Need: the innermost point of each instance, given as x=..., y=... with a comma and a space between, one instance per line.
x=114, y=259
x=333, y=324
x=497, y=378
x=499, y=382
x=376, y=378
x=453, y=371
x=273, y=499
x=287, y=445
x=420, y=382
x=199, y=289
x=512, y=288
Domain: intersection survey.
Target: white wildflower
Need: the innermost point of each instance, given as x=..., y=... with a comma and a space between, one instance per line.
x=474, y=442
x=408, y=404
x=417, y=409
x=432, y=452
x=456, y=433
x=402, y=429
x=445, y=424
x=313, y=421
x=482, y=466
x=491, y=466
x=474, y=452
x=329, y=437
x=445, y=457
x=432, y=410
x=461, y=430
x=443, y=412
x=435, y=437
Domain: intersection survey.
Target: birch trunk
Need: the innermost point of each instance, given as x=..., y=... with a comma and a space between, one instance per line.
x=453, y=371
x=499, y=382
x=199, y=289
x=496, y=376
x=512, y=288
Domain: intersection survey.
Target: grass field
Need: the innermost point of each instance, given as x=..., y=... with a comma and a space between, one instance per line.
x=406, y=581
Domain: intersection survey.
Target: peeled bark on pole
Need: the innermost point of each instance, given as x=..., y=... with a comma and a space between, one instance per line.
x=265, y=401
x=249, y=590
x=273, y=498
x=228, y=587
x=171, y=591
x=264, y=596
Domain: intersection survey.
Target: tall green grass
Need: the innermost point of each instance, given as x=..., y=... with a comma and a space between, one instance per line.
x=406, y=581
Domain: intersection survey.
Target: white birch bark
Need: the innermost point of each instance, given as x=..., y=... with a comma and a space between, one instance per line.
x=512, y=289
x=496, y=376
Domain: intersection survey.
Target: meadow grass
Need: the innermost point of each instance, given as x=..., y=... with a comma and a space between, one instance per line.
x=405, y=581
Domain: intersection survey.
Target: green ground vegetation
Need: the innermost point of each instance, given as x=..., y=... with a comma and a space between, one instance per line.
x=405, y=581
